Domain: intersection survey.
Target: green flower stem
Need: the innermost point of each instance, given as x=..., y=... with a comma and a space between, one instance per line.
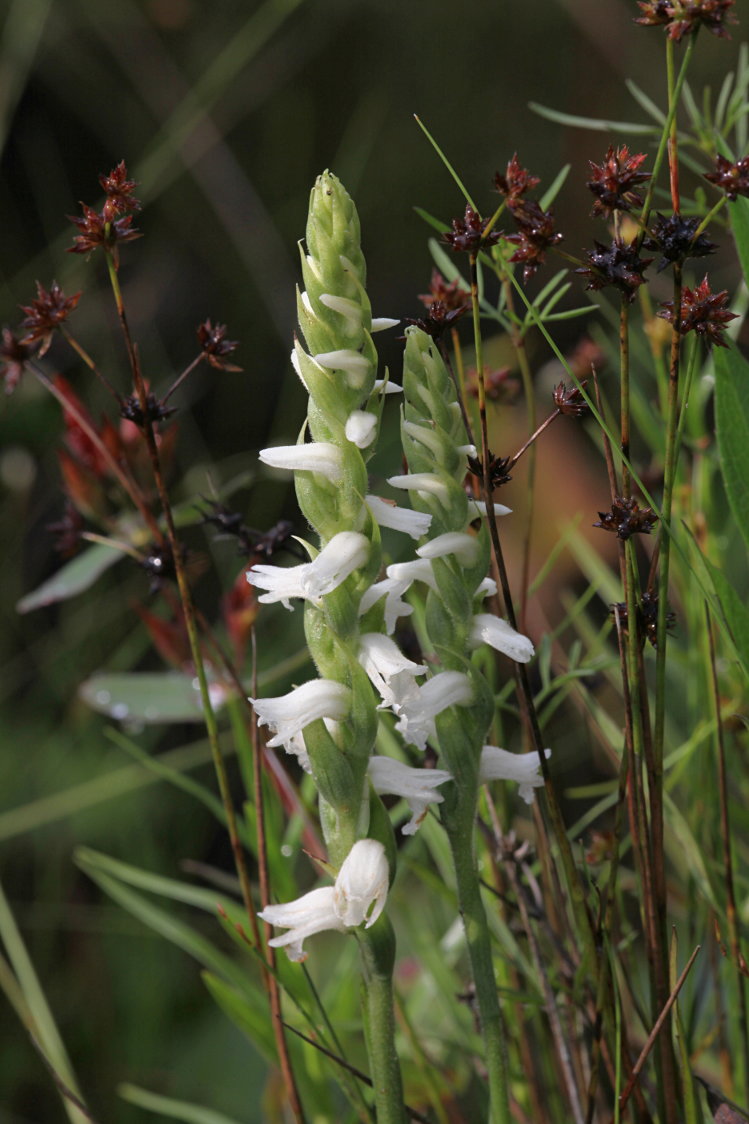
x=459, y=824
x=377, y=954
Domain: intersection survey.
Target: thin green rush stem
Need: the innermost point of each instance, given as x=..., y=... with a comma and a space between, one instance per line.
x=624, y=396
x=377, y=954
x=191, y=626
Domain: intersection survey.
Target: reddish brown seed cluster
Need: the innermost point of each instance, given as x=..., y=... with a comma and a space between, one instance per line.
x=732, y=177
x=536, y=230
x=470, y=235
x=613, y=182
x=701, y=311
x=113, y=225
x=684, y=17
x=618, y=264
x=627, y=518
x=676, y=239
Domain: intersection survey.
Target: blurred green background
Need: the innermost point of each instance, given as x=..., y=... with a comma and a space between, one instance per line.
x=224, y=113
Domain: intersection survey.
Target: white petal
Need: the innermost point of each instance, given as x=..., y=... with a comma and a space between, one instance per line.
x=361, y=428
x=362, y=884
x=356, y=366
x=392, y=674
x=468, y=450
x=417, y=786
x=488, y=629
x=424, y=482
x=380, y=323
x=289, y=714
x=464, y=547
x=448, y=688
x=312, y=913
x=346, y=552
x=349, y=310
x=298, y=366
x=478, y=508
x=395, y=606
x=486, y=588
x=524, y=768
x=387, y=514
x=417, y=570
x=316, y=456
x=387, y=387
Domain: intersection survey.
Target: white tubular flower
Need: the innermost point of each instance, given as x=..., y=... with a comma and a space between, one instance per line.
x=349, y=310
x=356, y=366
x=346, y=552
x=486, y=588
x=488, y=629
x=296, y=745
x=380, y=323
x=464, y=547
x=288, y=714
x=388, y=514
x=478, y=507
x=391, y=673
x=417, y=570
x=361, y=428
x=316, y=456
x=383, y=386
x=426, y=483
x=312, y=913
x=469, y=451
x=395, y=606
x=448, y=688
x=523, y=768
x=416, y=786
x=362, y=884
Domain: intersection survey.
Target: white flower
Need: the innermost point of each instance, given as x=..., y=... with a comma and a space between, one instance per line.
x=380, y=323
x=478, y=507
x=362, y=884
x=288, y=714
x=464, y=547
x=346, y=552
x=316, y=456
x=361, y=428
x=425, y=483
x=501, y=765
x=297, y=745
x=355, y=365
x=348, y=309
x=387, y=514
x=448, y=688
x=416, y=786
x=417, y=570
x=312, y=913
x=395, y=606
x=488, y=629
x=392, y=674
x=486, y=588
x=383, y=386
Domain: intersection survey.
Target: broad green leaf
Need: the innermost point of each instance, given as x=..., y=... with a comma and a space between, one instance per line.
x=175, y=1110
x=732, y=425
x=739, y=216
x=73, y=578
x=147, y=697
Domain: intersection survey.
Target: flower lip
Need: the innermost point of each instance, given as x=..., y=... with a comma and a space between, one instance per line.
x=316, y=456
x=465, y=547
x=447, y=688
x=361, y=428
x=416, y=786
x=387, y=514
x=392, y=674
x=312, y=913
x=500, y=765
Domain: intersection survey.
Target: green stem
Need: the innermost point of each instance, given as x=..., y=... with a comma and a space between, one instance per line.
x=377, y=949
x=459, y=826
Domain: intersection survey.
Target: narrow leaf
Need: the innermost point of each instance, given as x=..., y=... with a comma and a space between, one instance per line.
x=148, y=697
x=601, y=125
x=739, y=216
x=732, y=424
x=175, y=1110
x=73, y=578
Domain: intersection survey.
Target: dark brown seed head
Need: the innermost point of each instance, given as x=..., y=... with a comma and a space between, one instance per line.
x=618, y=264
x=732, y=178
x=612, y=182
x=468, y=234
x=674, y=238
x=701, y=311
x=627, y=518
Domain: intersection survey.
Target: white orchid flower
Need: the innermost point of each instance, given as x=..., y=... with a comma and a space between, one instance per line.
x=523, y=768
x=417, y=715
x=288, y=714
x=346, y=552
x=416, y=786
x=488, y=629
x=316, y=456
x=392, y=674
x=388, y=514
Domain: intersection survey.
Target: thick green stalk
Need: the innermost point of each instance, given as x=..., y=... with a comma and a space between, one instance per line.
x=377, y=951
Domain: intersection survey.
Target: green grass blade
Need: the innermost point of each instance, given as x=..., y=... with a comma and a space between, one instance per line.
x=175, y=1110
x=599, y=124
x=732, y=425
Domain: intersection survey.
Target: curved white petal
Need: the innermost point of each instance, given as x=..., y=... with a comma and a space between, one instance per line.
x=416, y=786
x=355, y=365
x=288, y=714
x=477, y=508
x=465, y=547
x=361, y=428
x=387, y=514
x=523, y=768
x=391, y=673
x=362, y=884
x=488, y=629
x=347, y=551
x=312, y=913
x=427, y=482
x=316, y=456
x=416, y=721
